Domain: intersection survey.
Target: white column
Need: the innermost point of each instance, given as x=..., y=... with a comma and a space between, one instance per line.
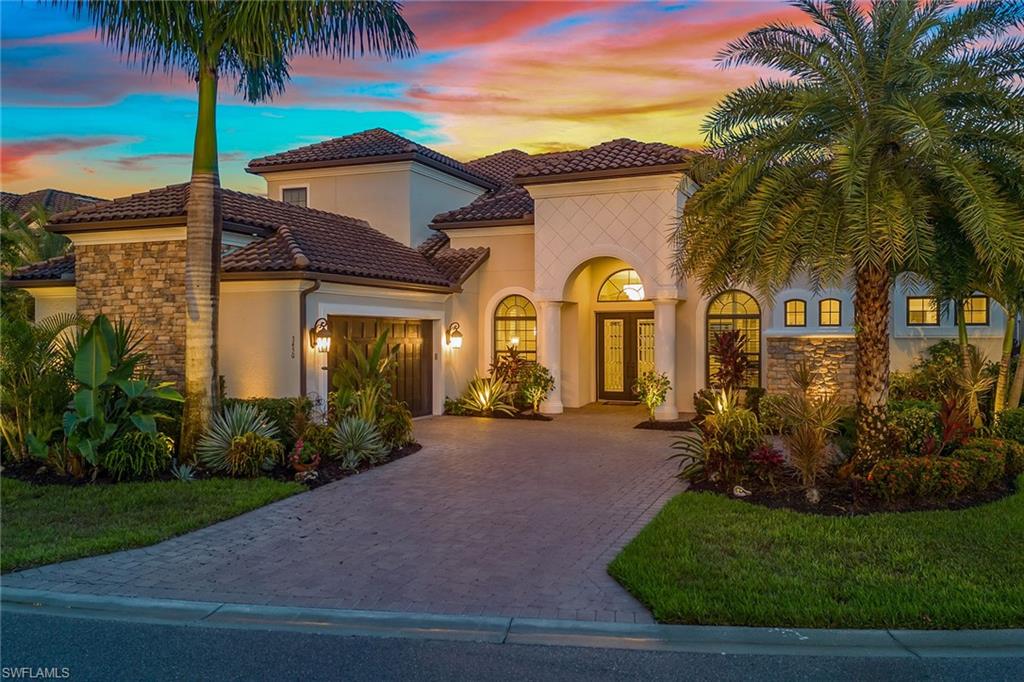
x=549, y=352
x=665, y=353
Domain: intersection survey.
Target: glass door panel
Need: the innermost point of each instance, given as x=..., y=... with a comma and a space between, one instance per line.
x=614, y=356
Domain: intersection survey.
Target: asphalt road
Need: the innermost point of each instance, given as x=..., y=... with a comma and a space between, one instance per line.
x=113, y=650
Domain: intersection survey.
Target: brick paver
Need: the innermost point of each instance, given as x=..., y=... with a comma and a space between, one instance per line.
x=491, y=517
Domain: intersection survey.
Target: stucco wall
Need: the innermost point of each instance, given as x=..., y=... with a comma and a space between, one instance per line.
x=144, y=282
x=53, y=301
x=260, y=339
x=398, y=199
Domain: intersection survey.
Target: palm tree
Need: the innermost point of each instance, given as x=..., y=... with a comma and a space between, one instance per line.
x=830, y=172
x=250, y=42
x=24, y=240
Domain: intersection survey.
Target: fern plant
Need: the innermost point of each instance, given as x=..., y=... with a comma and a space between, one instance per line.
x=233, y=422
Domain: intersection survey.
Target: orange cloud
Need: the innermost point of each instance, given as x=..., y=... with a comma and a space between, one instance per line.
x=14, y=156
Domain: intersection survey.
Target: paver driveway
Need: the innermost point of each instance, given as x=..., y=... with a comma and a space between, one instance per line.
x=491, y=517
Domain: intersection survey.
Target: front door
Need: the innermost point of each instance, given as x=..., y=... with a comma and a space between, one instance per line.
x=625, y=350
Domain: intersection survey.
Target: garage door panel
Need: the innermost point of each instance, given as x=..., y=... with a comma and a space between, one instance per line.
x=412, y=378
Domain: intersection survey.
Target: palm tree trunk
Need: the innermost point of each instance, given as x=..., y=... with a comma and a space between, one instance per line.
x=998, y=403
x=961, y=329
x=202, y=270
x=871, y=322
x=1018, y=380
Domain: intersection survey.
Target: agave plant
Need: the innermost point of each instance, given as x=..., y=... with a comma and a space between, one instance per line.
x=358, y=441
x=485, y=396
x=214, y=449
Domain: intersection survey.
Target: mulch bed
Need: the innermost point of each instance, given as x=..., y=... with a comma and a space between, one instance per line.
x=528, y=416
x=839, y=497
x=680, y=425
x=329, y=471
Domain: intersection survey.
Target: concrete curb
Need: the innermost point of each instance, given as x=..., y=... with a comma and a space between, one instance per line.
x=501, y=630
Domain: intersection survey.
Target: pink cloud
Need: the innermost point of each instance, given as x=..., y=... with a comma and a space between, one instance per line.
x=14, y=156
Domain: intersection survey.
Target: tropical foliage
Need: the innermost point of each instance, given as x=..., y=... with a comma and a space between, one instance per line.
x=227, y=447
x=534, y=384
x=358, y=442
x=651, y=388
x=251, y=43
x=35, y=382
x=891, y=113
x=111, y=397
x=487, y=395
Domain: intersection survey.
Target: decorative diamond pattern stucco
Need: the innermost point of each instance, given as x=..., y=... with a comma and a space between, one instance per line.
x=632, y=224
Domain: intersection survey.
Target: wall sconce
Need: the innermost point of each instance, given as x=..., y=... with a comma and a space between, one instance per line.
x=453, y=336
x=320, y=336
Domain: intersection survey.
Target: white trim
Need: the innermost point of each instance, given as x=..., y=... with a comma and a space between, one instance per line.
x=128, y=236
x=487, y=349
x=567, y=271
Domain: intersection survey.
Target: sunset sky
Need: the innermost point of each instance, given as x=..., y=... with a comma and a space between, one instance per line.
x=489, y=76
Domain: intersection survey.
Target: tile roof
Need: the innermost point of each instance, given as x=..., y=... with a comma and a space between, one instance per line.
x=514, y=168
x=300, y=239
x=369, y=146
x=50, y=200
x=58, y=267
x=456, y=264
x=608, y=157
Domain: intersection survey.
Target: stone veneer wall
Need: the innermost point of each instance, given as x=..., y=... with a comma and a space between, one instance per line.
x=832, y=356
x=145, y=282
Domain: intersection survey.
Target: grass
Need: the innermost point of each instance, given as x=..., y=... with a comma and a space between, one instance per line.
x=711, y=560
x=43, y=524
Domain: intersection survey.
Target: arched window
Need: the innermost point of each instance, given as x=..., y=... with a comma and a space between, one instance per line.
x=515, y=326
x=624, y=285
x=735, y=310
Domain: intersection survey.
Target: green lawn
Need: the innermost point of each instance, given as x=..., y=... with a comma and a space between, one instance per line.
x=43, y=524
x=711, y=560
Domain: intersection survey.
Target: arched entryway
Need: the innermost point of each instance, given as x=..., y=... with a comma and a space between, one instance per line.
x=735, y=310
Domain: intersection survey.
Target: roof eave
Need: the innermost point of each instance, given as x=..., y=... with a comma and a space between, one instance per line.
x=526, y=219
x=662, y=169
x=143, y=223
x=253, y=275
x=38, y=283
x=367, y=160
x=484, y=255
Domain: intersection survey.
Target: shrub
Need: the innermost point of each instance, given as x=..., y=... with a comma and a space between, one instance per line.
x=766, y=462
x=703, y=404
x=284, y=413
x=814, y=418
x=984, y=467
x=395, y=424
x=1011, y=451
x=319, y=438
x=651, y=388
x=901, y=405
x=358, y=442
x=236, y=420
x=485, y=396
x=730, y=433
x=913, y=426
x=1010, y=424
x=772, y=413
x=954, y=428
x=138, y=454
x=752, y=399
x=535, y=383
x=508, y=365
x=250, y=452
x=728, y=349
x=918, y=478
x=454, y=407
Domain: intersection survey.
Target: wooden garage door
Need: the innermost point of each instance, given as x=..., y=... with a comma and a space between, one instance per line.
x=412, y=379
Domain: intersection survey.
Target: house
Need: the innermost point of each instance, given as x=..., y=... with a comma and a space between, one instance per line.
x=49, y=200
x=563, y=256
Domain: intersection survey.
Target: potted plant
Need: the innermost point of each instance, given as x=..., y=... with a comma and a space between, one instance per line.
x=304, y=458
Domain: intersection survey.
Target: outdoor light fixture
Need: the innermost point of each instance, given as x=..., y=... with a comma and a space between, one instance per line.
x=453, y=336
x=320, y=336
